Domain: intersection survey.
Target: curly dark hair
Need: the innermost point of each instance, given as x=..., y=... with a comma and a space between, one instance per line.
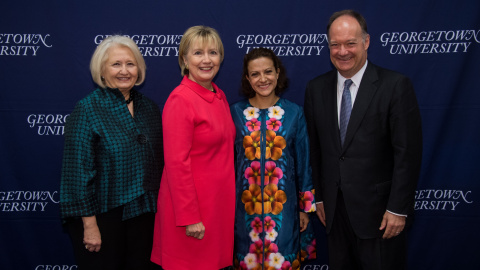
x=282, y=82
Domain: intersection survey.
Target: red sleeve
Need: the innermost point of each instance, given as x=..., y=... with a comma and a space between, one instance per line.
x=178, y=130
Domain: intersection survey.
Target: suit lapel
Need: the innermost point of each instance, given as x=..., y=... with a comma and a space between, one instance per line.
x=366, y=91
x=332, y=109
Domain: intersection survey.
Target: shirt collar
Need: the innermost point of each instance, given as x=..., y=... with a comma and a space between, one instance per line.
x=357, y=78
x=120, y=96
x=202, y=91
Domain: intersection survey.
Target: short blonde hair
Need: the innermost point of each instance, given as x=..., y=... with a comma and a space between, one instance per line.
x=206, y=35
x=100, y=57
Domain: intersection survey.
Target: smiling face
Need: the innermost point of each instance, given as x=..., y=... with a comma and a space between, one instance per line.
x=348, y=48
x=120, y=70
x=203, y=62
x=263, y=76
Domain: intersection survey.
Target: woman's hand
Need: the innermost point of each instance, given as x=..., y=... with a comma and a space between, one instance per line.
x=304, y=220
x=195, y=230
x=91, y=234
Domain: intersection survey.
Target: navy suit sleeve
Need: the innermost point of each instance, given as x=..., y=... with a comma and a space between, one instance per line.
x=315, y=155
x=406, y=139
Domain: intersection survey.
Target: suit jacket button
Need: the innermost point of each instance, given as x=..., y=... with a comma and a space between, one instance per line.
x=342, y=158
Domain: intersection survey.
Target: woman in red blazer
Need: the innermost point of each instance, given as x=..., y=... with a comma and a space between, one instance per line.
x=196, y=202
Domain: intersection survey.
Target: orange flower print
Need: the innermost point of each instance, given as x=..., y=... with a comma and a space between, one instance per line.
x=252, y=145
x=275, y=144
x=273, y=199
x=296, y=265
x=252, y=198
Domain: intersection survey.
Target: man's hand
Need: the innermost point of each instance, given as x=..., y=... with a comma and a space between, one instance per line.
x=321, y=213
x=392, y=224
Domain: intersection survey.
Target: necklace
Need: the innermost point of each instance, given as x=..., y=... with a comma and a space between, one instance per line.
x=130, y=99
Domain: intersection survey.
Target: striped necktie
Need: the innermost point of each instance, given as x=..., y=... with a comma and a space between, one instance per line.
x=345, y=109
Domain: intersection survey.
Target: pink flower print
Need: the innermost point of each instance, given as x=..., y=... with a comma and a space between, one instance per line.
x=269, y=223
x=269, y=249
x=272, y=173
x=257, y=249
x=306, y=201
x=273, y=124
x=252, y=173
x=312, y=250
x=286, y=266
x=256, y=225
x=253, y=125
x=243, y=266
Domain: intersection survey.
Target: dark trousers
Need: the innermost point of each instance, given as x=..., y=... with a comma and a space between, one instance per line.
x=125, y=244
x=348, y=252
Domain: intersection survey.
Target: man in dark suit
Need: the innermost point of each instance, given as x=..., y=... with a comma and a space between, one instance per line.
x=366, y=145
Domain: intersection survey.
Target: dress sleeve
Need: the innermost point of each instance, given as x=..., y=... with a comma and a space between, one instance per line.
x=77, y=189
x=303, y=169
x=178, y=131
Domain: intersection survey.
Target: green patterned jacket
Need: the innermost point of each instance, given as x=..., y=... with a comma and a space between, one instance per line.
x=110, y=158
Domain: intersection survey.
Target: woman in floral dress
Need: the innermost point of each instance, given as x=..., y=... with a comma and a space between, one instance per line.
x=273, y=175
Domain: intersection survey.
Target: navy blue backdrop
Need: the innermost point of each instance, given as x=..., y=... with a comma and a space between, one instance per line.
x=45, y=49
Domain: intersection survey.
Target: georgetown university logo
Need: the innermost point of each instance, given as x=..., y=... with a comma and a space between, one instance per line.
x=430, y=42
x=27, y=201
x=441, y=199
x=56, y=267
x=23, y=44
x=152, y=45
x=285, y=44
x=47, y=124
x=315, y=267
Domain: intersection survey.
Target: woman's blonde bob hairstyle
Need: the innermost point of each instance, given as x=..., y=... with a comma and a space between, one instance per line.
x=206, y=35
x=100, y=57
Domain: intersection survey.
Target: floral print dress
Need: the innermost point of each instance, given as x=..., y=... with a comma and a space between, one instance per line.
x=273, y=183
